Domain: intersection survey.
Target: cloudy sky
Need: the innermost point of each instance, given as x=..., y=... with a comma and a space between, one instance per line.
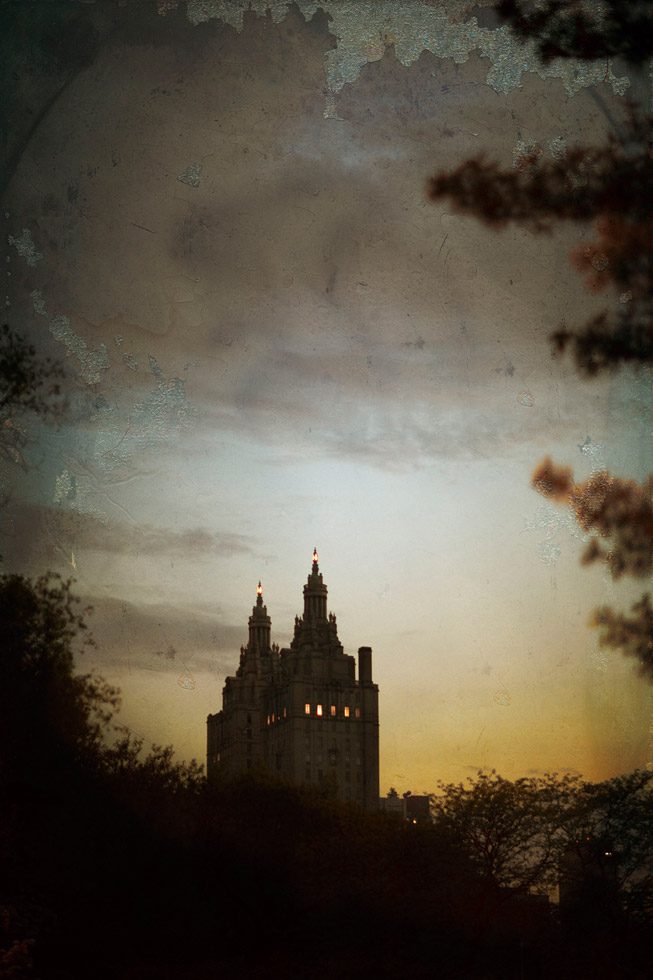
x=274, y=341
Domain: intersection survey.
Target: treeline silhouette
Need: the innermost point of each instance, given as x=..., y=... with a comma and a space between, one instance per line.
x=122, y=864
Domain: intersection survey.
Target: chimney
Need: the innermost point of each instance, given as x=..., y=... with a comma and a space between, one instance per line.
x=365, y=665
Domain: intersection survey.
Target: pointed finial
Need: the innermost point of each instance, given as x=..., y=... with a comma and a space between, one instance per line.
x=315, y=556
x=259, y=589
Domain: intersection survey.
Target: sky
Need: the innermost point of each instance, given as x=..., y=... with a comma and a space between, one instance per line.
x=274, y=341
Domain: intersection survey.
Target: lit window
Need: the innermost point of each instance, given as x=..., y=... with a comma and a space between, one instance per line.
x=357, y=712
x=268, y=719
x=307, y=709
x=318, y=710
x=346, y=711
x=273, y=717
x=333, y=710
x=284, y=713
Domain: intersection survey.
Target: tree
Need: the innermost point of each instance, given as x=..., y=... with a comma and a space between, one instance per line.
x=607, y=864
x=50, y=717
x=611, y=185
x=577, y=29
x=512, y=832
x=28, y=384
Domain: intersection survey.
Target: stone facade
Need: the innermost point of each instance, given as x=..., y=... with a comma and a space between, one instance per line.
x=300, y=713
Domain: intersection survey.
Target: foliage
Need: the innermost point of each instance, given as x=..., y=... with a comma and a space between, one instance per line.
x=28, y=383
x=582, y=29
x=611, y=185
x=525, y=835
x=633, y=635
x=618, y=511
x=107, y=848
x=616, y=818
x=511, y=831
x=47, y=712
x=124, y=763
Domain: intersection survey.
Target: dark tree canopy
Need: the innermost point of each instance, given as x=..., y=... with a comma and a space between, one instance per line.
x=618, y=513
x=610, y=185
x=51, y=718
x=583, y=29
x=511, y=831
x=29, y=383
x=632, y=635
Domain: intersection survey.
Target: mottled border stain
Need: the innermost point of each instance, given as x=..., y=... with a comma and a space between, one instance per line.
x=363, y=30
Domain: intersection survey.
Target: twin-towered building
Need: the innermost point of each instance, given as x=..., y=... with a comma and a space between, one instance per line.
x=300, y=713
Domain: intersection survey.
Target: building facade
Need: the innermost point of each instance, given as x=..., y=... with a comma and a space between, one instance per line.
x=300, y=713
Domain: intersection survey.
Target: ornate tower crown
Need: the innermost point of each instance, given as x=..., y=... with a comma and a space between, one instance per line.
x=315, y=593
x=259, y=624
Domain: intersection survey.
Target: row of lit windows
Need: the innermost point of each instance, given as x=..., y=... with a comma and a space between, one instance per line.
x=319, y=713
x=274, y=717
x=333, y=711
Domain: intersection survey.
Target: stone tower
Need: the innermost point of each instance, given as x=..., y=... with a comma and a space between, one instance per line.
x=301, y=713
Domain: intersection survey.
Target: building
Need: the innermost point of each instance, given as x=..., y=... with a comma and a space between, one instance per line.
x=414, y=809
x=300, y=713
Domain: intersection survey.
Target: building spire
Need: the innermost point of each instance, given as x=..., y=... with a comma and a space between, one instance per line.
x=315, y=592
x=259, y=624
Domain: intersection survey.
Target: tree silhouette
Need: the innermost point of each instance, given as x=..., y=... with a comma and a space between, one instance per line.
x=50, y=717
x=29, y=383
x=512, y=832
x=578, y=29
x=611, y=185
x=616, y=818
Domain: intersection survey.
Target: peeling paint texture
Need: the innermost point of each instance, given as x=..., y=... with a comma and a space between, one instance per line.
x=92, y=362
x=25, y=247
x=363, y=31
x=191, y=175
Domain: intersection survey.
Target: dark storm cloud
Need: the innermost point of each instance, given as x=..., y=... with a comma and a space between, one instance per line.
x=159, y=637
x=55, y=531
